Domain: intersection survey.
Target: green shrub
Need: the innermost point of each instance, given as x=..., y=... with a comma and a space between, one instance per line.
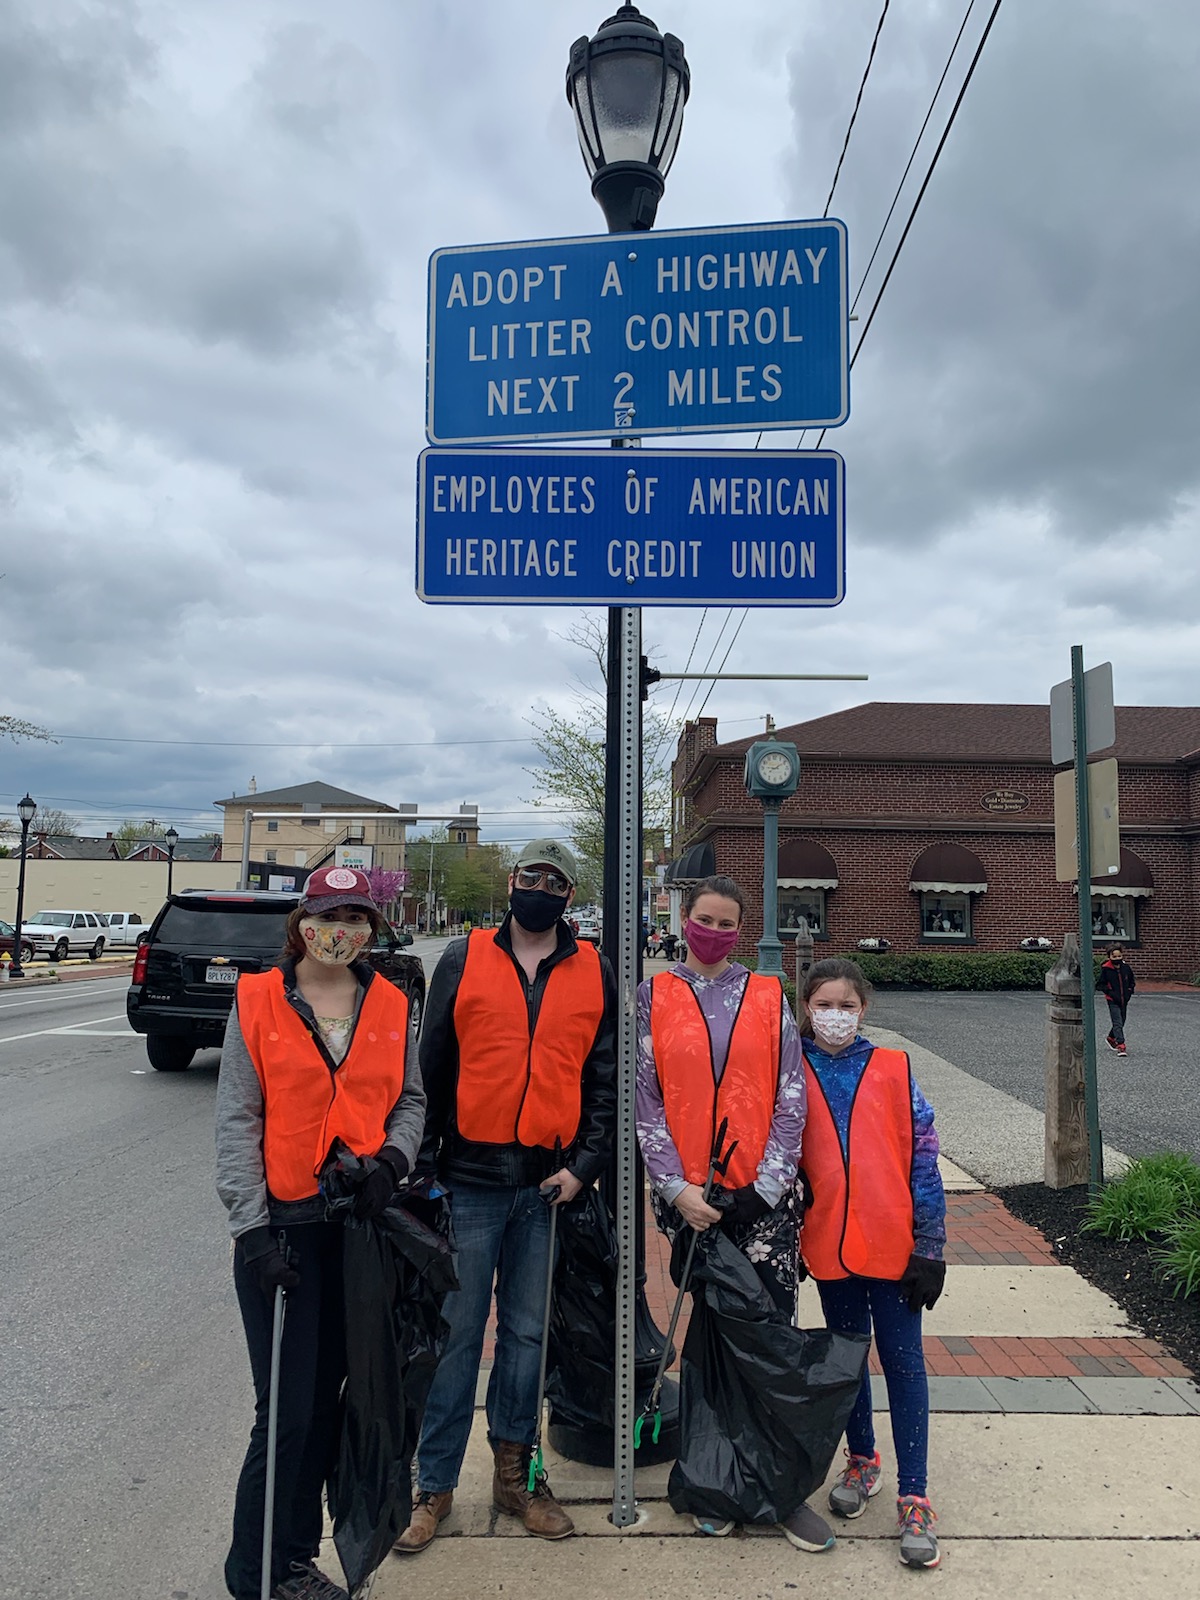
x=955, y=969
x=1153, y=1197
x=1179, y=1257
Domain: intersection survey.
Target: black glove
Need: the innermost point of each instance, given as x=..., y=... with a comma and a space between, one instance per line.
x=743, y=1206
x=260, y=1251
x=922, y=1282
x=381, y=1178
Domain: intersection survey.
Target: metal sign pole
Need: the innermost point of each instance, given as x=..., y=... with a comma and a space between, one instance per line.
x=624, y=1510
x=1083, y=838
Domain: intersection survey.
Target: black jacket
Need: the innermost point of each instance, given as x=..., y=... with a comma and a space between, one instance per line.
x=456, y=1159
x=1117, y=981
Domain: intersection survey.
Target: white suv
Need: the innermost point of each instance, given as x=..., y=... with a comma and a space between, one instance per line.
x=57, y=934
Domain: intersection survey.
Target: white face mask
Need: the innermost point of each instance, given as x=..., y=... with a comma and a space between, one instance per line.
x=336, y=944
x=835, y=1028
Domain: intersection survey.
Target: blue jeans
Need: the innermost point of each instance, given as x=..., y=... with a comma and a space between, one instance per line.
x=500, y=1233
x=853, y=1305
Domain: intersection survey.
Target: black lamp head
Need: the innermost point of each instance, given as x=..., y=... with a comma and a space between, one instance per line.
x=628, y=85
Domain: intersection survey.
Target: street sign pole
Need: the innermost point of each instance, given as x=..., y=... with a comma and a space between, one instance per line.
x=1083, y=843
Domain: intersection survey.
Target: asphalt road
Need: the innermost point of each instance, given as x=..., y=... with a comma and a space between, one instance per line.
x=1149, y=1101
x=123, y=1388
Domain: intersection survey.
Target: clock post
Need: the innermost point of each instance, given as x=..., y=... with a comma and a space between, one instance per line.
x=772, y=774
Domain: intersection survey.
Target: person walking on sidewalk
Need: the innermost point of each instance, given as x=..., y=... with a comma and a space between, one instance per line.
x=318, y=1049
x=873, y=1234
x=518, y=1050
x=717, y=1041
x=1117, y=983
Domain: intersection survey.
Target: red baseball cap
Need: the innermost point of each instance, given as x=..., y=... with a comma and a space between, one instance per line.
x=337, y=886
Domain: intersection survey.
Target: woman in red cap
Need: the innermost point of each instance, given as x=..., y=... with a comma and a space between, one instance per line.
x=318, y=1050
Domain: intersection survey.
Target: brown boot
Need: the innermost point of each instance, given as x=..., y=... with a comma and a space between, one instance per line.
x=428, y=1510
x=539, y=1511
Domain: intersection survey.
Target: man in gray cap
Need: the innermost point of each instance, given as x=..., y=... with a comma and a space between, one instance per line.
x=518, y=1057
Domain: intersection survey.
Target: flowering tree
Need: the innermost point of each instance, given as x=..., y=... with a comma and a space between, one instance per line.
x=386, y=884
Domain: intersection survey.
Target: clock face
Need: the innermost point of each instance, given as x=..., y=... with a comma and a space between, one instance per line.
x=774, y=767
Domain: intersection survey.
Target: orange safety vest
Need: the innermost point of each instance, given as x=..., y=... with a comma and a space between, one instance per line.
x=860, y=1222
x=519, y=1084
x=694, y=1101
x=306, y=1107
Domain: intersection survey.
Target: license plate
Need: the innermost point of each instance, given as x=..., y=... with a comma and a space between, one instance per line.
x=220, y=974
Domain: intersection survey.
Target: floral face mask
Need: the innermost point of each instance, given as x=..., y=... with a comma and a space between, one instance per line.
x=336, y=944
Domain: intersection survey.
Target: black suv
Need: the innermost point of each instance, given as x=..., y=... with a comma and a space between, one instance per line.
x=187, y=969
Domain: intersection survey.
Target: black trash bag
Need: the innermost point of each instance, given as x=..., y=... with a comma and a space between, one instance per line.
x=762, y=1405
x=579, y=1367
x=397, y=1270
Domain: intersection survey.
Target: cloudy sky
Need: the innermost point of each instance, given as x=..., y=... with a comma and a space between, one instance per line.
x=215, y=220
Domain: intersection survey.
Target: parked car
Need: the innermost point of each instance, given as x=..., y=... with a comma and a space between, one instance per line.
x=588, y=929
x=8, y=941
x=126, y=927
x=186, y=972
x=57, y=934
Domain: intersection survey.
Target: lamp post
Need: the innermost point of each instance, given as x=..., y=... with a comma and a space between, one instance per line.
x=627, y=86
x=25, y=810
x=172, y=838
x=772, y=774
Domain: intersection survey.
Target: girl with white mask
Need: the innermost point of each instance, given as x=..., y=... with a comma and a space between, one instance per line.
x=873, y=1234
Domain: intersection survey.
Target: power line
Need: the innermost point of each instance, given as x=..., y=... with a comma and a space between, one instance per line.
x=857, y=102
x=912, y=155
x=911, y=216
x=273, y=744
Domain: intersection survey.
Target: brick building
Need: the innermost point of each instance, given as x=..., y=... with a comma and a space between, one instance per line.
x=932, y=826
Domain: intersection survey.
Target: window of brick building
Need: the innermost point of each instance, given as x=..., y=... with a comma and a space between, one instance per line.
x=807, y=873
x=947, y=878
x=1114, y=917
x=800, y=909
x=946, y=916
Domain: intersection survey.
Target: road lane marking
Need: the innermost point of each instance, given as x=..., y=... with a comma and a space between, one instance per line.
x=99, y=988
x=42, y=1033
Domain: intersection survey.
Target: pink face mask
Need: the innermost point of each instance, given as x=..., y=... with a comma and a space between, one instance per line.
x=709, y=945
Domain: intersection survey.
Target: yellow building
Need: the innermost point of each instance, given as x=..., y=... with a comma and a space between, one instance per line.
x=317, y=839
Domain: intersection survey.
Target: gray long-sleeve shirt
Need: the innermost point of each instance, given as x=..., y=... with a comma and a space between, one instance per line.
x=241, y=1173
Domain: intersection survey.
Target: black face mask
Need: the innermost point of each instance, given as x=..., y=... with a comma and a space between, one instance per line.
x=536, y=909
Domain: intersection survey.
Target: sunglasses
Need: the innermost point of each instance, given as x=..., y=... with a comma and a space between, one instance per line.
x=538, y=877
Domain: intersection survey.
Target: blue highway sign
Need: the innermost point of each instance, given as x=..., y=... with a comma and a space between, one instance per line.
x=713, y=330
x=631, y=527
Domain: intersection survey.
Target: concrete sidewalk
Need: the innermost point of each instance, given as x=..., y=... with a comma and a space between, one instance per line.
x=1064, y=1447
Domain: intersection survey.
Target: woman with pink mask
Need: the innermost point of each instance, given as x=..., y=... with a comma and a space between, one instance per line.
x=716, y=1042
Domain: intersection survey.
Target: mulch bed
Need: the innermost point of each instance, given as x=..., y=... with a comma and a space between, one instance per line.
x=1122, y=1268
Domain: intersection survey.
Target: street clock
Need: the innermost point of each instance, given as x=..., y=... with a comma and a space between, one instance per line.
x=772, y=770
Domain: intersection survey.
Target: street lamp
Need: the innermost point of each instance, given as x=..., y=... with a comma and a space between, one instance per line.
x=628, y=86
x=172, y=838
x=25, y=810
x=772, y=774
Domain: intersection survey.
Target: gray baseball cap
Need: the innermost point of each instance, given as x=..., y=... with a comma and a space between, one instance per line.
x=549, y=853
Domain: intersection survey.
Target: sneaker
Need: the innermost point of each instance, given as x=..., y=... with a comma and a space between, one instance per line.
x=1121, y=1050
x=1111, y=1042
x=807, y=1531
x=711, y=1527
x=308, y=1582
x=918, y=1547
x=855, y=1486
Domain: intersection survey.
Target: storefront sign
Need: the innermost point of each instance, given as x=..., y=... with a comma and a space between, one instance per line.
x=1004, y=800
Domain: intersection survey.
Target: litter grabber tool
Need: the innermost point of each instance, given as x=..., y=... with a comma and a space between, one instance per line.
x=272, y=1439
x=718, y=1165
x=535, y=1455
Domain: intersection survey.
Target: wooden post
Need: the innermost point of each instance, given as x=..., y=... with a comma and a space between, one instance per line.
x=1066, y=1113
